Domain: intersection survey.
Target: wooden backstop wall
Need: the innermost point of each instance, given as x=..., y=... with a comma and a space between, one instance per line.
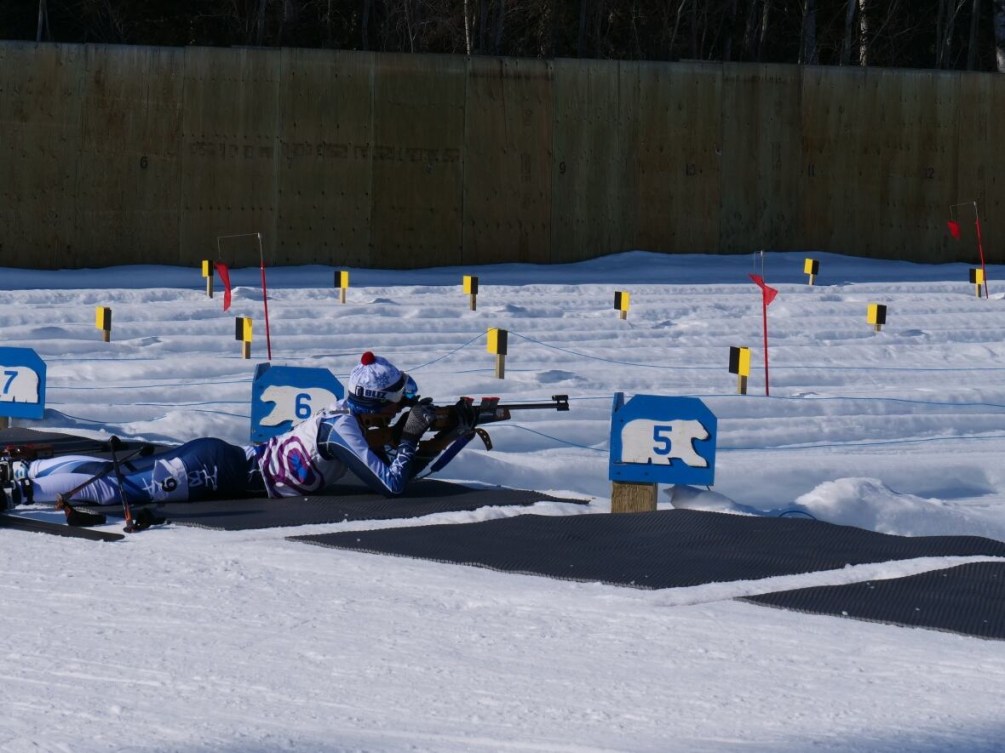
x=122, y=155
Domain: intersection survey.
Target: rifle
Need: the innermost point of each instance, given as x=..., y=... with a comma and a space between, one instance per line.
x=448, y=432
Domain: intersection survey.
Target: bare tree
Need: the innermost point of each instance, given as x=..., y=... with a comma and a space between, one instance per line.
x=482, y=45
x=676, y=26
x=729, y=26
x=863, y=34
x=103, y=21
x=291, y=16
x=260, y=22
x=808, y=39
x=694, y=30
x=364, y=24
x=849, y=32
x=975, y=13
x=999, y=22
x=693, y=23
x=751, y=50
x=945, y=28
x=765, y=17
x=904, y=33
x=500, y=26
x=467, y=30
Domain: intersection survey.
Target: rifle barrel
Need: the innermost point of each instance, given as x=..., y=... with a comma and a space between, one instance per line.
x=559, y=402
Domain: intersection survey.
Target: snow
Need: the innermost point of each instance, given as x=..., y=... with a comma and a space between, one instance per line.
x=182, y=639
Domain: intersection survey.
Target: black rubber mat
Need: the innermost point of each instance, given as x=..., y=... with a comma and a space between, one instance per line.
x=663, y=549
x=968, y=599
x=349, y=503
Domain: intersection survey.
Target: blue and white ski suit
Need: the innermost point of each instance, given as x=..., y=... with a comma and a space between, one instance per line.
x=308, y=459
x=315, y=454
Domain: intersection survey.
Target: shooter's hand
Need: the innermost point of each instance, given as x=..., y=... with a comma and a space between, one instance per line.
x=420, y=417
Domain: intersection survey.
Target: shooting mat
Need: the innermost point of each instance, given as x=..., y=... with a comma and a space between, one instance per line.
x=968, y=599
x=348, y=503
x=678, y=548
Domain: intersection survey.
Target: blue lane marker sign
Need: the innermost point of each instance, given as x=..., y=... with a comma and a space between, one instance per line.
x=662, y=440
x=282, y=396
x=22, y=383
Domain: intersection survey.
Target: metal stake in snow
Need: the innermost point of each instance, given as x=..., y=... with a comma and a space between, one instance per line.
x=954, y=230
x=767, y=296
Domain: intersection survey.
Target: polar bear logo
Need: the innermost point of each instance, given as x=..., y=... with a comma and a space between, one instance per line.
x=294, y=403
x=660, y=442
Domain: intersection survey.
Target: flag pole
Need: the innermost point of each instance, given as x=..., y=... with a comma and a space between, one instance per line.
x=265, y=297
x=764, y=317
x=954, y=230
x=767, y=296
x=980, y=248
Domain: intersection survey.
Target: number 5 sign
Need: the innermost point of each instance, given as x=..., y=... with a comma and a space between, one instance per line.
x=22, y=383
x=282, y=396
x=662, y=440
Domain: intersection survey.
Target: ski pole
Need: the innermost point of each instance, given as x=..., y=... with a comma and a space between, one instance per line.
x=75, y=517
x=126, y=509
x=142, y=452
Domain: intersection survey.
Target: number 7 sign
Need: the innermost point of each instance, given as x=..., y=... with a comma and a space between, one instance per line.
x=22, y=383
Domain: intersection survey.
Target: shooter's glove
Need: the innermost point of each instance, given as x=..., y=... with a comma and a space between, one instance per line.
x=420, y=417
x=466, y=414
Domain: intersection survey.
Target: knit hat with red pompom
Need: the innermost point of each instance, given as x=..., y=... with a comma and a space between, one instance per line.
x=375, y=382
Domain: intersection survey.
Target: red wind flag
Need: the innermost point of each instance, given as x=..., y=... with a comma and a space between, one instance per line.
x=954, y=228
x=767, y=291
x=224, y=272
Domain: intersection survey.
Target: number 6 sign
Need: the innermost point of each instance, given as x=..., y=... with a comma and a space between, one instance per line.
x=22, y=383
x=283, y=396
x=668, y=440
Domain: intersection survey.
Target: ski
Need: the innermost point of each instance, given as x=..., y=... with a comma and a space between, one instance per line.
x=31, y=525
x=26, y=444
x=19, y=443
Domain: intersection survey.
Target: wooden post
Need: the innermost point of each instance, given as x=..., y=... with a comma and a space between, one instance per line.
x=470, y=284
x=811, y=267
x=497, y=344
x=207, y=272
x=621, y=302
x=739, y=364
x=977, y=280
x=342, y=282
x=103, y=321
x=876, y=315
x=631, y=497
x=242, y=332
